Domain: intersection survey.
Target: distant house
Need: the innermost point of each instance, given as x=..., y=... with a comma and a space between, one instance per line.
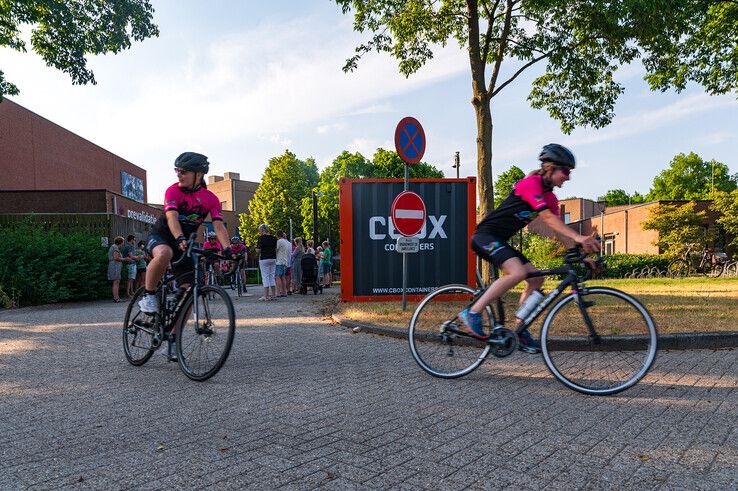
x=621, y=227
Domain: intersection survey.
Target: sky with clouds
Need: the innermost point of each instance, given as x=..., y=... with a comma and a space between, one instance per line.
x=242, y=81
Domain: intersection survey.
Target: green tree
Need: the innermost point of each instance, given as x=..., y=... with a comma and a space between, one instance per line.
x=677, y=225
x=350, y=165
x=582, y=44
x=64, y=33
x=387, y=164
x=726, y=204
x=285, y=184
x=505, y=182
x=616, y=197
x=690, y=177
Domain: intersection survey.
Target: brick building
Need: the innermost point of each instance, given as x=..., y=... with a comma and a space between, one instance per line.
x=621, y=227
x=234, y=195
x=51, y=172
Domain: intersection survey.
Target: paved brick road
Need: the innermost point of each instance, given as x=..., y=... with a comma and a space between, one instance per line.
x=302, y=404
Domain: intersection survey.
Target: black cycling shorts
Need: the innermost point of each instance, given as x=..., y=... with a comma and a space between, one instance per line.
x=494, y=250
x=186, y=266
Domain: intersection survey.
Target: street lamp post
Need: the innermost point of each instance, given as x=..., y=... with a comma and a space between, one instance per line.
x=315, y=217
x=457, y=164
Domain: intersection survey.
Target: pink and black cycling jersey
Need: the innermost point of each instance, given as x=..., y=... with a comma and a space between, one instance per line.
x=237, y=248
x=527, y=199
x=210, y=245
x=193, y=208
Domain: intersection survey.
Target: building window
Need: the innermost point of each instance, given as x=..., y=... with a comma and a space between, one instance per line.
x=567, y=217
x=609, y=244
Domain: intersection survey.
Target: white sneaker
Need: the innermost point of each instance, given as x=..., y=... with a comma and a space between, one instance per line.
x=149, y=304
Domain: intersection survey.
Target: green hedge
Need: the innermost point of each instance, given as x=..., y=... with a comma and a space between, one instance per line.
x=620, y=265
x=40, y=266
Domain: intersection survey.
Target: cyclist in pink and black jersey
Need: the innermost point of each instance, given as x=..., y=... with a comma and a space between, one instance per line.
x=186, y=205
x=531, y=198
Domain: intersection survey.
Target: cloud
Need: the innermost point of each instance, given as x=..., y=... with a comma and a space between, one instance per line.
x=329, y=128
x=716, y=138
x=647, y=121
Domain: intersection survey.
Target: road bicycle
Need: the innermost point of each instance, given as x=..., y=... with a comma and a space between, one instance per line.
x=705, y=262
x=199, y=320
x=595, y=340
x=235, y=276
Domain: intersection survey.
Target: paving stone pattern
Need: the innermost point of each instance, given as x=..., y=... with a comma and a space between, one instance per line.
x=303, y=403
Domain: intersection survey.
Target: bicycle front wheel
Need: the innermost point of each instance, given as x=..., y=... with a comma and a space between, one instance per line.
x=436, y=337
x=599, y=341
x=140, y=332
x=205, y=333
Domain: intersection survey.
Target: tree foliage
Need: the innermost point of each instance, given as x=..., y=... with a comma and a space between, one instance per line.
x=505, y=183
x=616, y=197
x=676, y=226
x=386, y=164
x=690, y=177
x=64, y=33
x=581, y=43
x=285, y=184
x=350, y=165
x=726, y=204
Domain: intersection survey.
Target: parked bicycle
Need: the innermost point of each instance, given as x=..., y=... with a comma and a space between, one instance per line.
x=199, y=320
x=704, y=262
x=595, y=340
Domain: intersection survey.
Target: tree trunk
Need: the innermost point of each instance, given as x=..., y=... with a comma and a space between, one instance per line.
x=480, y=101
x=484, y=157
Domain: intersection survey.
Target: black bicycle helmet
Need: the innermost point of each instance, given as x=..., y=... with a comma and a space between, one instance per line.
x=558, y=154
x=195, y=162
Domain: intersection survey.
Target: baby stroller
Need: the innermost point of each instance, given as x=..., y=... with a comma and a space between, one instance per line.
x=309, y=267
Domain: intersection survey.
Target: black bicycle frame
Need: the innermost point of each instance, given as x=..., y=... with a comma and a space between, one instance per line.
x=571, y=278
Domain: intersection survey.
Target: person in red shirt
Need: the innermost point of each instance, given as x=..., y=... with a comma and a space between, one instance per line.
x=186, y=205
x=212, y=243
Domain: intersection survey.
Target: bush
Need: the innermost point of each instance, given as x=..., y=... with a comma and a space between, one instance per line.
x=47, y=266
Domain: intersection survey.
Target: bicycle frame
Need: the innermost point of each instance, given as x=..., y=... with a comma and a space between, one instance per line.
x=571, y=279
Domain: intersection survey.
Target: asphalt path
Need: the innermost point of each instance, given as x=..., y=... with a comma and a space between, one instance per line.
x=303, y=403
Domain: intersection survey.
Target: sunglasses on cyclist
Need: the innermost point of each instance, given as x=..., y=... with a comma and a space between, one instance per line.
x=180, y=172
x=565, y=170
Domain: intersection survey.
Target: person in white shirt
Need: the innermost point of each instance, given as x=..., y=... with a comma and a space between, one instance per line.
x=284, y=251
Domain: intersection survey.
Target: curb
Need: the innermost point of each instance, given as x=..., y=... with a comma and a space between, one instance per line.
x=712, y=340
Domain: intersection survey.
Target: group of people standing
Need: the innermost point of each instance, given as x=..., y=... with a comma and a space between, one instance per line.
x=134, y=257
x=279, y=262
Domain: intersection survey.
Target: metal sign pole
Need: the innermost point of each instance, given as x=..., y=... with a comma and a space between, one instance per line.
x=404, y=260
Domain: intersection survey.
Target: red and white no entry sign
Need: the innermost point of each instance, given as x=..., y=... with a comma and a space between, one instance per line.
x=408, y=213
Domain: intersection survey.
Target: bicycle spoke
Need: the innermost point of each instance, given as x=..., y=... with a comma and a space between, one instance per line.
x=437, y=339
x=138, y=340
x=626, y=347
x=203, y=344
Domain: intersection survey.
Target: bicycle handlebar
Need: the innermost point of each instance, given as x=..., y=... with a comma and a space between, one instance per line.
x=576, y=255
x=191, y=249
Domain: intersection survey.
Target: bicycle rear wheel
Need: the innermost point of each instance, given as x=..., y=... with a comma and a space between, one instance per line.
x=436, y=343
x=622, y=355
x=713, y=270
x=140, y=333
x=203, y=345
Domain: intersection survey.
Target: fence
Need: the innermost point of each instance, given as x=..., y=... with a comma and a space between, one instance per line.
x=103, y=225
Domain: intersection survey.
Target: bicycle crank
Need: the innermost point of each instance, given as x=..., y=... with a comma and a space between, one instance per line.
x=503, y=341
